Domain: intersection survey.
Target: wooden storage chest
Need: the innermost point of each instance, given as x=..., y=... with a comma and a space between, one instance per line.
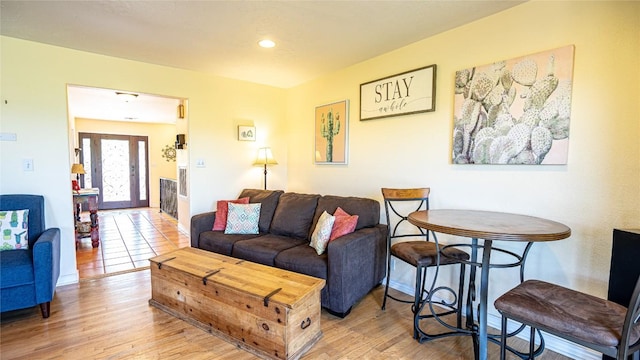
x=270, y=312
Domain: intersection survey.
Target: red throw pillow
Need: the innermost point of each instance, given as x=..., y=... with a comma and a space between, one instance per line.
x=220, y=222
x=344, y=224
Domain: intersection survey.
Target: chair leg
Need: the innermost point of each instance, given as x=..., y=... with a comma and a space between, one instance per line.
x=386, y=286
x=503, y=338
x=419, y=289
x=422, y=291
x=532, y=342
x=460, y=296
x=417, y=297
x=45, y=308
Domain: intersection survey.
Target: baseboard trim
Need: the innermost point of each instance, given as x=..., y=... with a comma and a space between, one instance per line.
x=553, y=343
x=183, y=229
x=69, y=279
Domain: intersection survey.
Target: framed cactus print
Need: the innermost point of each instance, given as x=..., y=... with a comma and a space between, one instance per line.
x=514, y=112
x=331, y=133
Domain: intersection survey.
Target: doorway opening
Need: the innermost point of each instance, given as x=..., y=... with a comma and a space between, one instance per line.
x=121, y=139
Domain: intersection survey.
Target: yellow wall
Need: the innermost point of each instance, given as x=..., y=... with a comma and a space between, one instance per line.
x=34, y=106
x=159, y=135
x=599, y=188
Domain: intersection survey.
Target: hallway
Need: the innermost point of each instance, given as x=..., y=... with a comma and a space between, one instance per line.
x=128, y=238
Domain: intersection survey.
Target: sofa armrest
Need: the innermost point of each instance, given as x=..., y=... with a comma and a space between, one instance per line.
x=356, y=264
x=199, y=224
x=46, y=264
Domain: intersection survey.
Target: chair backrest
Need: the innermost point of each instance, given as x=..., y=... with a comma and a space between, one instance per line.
x=396, y=202
x=35, y=204
x=631, y=326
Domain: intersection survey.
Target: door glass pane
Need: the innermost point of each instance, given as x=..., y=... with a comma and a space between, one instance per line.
x=115, y=170
x=142, y=165
x=86, y=162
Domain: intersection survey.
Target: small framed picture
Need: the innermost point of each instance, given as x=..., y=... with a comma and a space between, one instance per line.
x=246, y=133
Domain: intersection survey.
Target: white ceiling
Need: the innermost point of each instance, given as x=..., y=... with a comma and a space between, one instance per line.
x=220, y=37
x=105, y=104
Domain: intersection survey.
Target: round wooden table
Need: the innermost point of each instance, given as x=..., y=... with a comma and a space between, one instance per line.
x=488, y=226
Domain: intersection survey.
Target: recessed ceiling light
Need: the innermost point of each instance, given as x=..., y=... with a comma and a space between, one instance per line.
x=266, y=43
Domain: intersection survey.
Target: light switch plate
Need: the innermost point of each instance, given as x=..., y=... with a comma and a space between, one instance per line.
x=8, y=136
x=27, y=164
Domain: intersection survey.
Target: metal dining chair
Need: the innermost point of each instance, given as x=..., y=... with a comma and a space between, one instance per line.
x=420, y=254
x=595, y=323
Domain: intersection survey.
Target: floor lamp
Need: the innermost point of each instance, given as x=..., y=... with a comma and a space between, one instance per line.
x=265, y=157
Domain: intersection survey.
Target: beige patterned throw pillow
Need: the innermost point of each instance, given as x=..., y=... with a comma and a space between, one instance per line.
x=322, y=232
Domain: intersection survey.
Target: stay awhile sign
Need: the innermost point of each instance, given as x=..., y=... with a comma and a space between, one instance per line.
x=410, y=92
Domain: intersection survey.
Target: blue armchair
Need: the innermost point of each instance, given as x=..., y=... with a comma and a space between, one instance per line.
x=28, y=277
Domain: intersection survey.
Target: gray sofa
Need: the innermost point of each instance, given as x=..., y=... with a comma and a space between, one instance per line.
x=352, y=265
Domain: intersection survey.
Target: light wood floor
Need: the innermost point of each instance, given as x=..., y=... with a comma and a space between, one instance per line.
x=110, y=318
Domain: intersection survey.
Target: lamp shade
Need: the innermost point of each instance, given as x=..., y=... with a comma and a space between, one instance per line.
x=265, y=157
x=77, y=169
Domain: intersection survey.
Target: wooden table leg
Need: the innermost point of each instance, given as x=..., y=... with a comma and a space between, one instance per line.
x=77, y=235
x=77, y=210
x=95, y=233
x=93, y=215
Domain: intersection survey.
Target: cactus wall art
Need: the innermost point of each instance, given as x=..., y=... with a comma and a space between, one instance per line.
x=331, y=133
x=514, y=111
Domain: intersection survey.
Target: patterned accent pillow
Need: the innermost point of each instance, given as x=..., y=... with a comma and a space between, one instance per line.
x=243, y=218
x=322, y=232
x=13, y=229
x=222, y=208
x=344, y=224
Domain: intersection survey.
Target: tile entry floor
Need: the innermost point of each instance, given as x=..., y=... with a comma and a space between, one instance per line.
x=128, y=238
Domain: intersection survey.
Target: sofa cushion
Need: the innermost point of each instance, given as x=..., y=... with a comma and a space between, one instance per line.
x=268, y=199
x=16, y=267
x=303, y=259
x=294, y=214
x=263, y=250
x=368, y=210
x=13, y=229
x=222, y=209
x=322, y=232
x=221, y=243
x=243, y=219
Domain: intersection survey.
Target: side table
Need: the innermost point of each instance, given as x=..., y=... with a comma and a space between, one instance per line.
x=90, y=196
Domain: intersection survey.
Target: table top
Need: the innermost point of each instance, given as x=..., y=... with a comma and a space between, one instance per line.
x=489, y=225
x=86, y=192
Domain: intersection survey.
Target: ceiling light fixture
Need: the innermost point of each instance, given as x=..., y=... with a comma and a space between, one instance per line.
x=127, y=96
x=266, y=43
